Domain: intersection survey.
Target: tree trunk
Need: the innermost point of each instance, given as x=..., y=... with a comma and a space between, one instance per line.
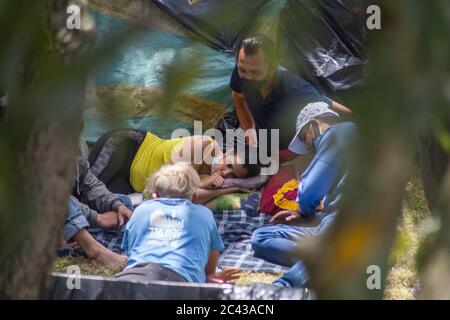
x=38, y=143
x=45, y=175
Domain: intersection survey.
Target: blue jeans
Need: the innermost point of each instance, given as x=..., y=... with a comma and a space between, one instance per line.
x=77, y=221
x=277, y=244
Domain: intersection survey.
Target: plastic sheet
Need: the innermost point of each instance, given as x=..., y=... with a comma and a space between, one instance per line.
x=101, y=288
x=330, y=52
x=321, y=40
x=133, y=81
x=221, y=23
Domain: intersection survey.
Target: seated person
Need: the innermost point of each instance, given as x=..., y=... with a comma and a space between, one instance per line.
x=125, y=158
x=92, y=204
x=169, y=237
x=323, y=180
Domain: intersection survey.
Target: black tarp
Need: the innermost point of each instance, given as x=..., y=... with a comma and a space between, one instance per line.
x=220, y=23
x=329, y=52
x=101, y=288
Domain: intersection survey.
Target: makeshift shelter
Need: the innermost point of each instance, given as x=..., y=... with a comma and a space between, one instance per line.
x=330, y=54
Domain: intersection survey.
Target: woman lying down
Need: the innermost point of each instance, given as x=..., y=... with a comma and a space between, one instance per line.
x=124, y=159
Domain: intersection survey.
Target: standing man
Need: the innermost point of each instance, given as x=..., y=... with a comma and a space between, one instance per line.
x=266, y=95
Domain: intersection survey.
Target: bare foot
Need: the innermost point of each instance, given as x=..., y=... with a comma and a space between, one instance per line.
x=108, y=258
x=97, y=253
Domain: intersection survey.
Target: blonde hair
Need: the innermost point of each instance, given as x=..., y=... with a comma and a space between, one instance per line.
x=173, y=181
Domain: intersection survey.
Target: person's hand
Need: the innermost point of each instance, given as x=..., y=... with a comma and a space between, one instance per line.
x=285, y=217
x=108, y=220
x=123, y=215
x=295, y=218
x=225, y=276
x=213, y=182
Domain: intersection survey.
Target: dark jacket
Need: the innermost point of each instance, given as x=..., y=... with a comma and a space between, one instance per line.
x=91, y=194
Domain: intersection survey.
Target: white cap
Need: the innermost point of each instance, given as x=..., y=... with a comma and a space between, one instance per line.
x=308, y=113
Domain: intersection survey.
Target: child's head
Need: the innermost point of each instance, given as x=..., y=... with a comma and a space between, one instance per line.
x=173, y=181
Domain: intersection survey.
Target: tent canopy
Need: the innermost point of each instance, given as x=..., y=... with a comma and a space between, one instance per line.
x=322, y=41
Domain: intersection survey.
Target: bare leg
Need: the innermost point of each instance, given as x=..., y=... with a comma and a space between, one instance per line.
x=98, y=253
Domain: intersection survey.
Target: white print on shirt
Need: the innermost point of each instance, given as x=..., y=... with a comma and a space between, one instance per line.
x=165, y=229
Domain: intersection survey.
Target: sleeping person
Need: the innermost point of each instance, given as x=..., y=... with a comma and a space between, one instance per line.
x=124, y=159
x=169, y=238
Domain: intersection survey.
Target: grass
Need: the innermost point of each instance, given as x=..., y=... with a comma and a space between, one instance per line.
x=403, y=275
x=61, y=265
x=401, y=279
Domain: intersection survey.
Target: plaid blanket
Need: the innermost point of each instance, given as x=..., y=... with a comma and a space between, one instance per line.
x=235, y=226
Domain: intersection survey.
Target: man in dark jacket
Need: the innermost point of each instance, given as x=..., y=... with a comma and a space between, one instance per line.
x=92, y=204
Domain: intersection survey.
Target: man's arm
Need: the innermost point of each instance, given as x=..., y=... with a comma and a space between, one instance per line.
x=340, y=108
x=94, y=193
x=244, y=116
x=315, y=183
x=228, y=275
x=90, y=214
x=212, y=263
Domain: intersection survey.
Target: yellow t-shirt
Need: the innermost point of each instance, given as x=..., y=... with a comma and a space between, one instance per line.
x=153, y=153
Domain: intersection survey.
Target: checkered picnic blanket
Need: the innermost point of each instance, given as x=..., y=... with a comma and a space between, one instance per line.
x=235, y=226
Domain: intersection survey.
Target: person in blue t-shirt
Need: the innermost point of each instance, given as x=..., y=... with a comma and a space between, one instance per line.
x=169, y=237
x=266, y=95
x=318, y=132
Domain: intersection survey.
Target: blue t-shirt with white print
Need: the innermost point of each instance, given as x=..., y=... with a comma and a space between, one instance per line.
x=174, y=233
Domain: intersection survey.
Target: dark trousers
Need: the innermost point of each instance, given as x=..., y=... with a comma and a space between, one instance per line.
x=150, y=272
x=111, y=157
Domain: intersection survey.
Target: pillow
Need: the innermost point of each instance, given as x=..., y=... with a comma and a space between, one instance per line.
x=230, y=201
x=286, y=196
x=283, y=193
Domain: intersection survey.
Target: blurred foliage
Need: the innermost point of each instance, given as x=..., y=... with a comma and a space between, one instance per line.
x=38, y=81
x=424, y=247
x=400, y=248
x=178, y=76
x=406, y=94
x=443, y=136
x=43, y=68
